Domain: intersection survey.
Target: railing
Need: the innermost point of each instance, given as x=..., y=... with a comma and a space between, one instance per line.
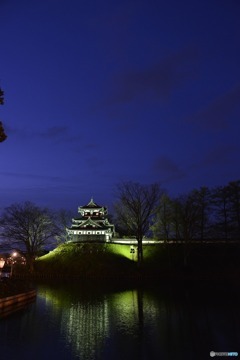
x=11, y=304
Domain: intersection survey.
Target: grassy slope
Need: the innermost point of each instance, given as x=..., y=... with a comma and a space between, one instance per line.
x=112, y=259
x=87, y=259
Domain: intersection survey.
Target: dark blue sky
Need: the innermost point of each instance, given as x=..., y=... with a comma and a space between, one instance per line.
x=97, y=92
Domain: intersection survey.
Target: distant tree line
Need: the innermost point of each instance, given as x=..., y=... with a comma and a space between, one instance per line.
x=202, y=214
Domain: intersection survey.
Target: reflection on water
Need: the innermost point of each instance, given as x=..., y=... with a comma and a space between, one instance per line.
x=86, y=328
x=76, y=322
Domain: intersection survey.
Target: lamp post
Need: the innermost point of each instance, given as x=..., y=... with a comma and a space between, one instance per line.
x=14, y=254
x=2, y=262
x=132, y=251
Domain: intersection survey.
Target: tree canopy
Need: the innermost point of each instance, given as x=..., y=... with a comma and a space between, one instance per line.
x=135, y=207
x=29, y=227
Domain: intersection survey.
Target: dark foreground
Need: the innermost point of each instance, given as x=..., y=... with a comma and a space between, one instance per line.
x=88, y=322
x=12, y=286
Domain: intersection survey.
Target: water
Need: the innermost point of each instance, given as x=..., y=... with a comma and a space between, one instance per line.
x=160, y=322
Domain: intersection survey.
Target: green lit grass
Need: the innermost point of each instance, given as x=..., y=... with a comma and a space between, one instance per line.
x=81, y=250
x=96, y=259
x=100, y=260
x=86, y=259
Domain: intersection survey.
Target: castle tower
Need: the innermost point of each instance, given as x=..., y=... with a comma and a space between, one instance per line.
x=92, y=225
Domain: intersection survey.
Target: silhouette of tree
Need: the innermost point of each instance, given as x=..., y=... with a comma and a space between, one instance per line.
x=3, y=136
x=62, y=219
x=221, y=206
x=29, y=227
x=162, y=227
x=135, y=208
x=1, y=97
x=234, y=198
x=201, y=199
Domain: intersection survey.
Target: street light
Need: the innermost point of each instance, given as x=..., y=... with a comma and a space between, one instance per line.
x=14, y=254
x=2, y=263
x=132, y=251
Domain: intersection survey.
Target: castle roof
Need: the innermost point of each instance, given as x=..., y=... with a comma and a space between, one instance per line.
x=91, y=205
x=90, y=222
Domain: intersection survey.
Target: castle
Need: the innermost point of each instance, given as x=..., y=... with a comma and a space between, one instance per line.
x=92, y=225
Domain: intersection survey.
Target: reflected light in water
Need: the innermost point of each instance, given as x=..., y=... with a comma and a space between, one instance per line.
x=69, y=323
x=84, y=324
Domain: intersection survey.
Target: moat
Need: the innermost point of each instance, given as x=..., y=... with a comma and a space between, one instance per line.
x=87, y=322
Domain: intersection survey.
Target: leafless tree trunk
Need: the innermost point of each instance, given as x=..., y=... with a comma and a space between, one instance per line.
x=3, y=136
x=28, y=227
x=135, y=208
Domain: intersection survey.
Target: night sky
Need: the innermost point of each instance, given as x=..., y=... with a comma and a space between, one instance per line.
x=98, y=92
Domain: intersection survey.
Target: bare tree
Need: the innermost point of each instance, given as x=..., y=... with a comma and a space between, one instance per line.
x=201, y=199
x=28, y=227
x=222, y=212
x=62, y=220
x=234, y=199
x=189, y=214
x=1, y=97
x=162, y=225
x=135, y=208
x=3, y=136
